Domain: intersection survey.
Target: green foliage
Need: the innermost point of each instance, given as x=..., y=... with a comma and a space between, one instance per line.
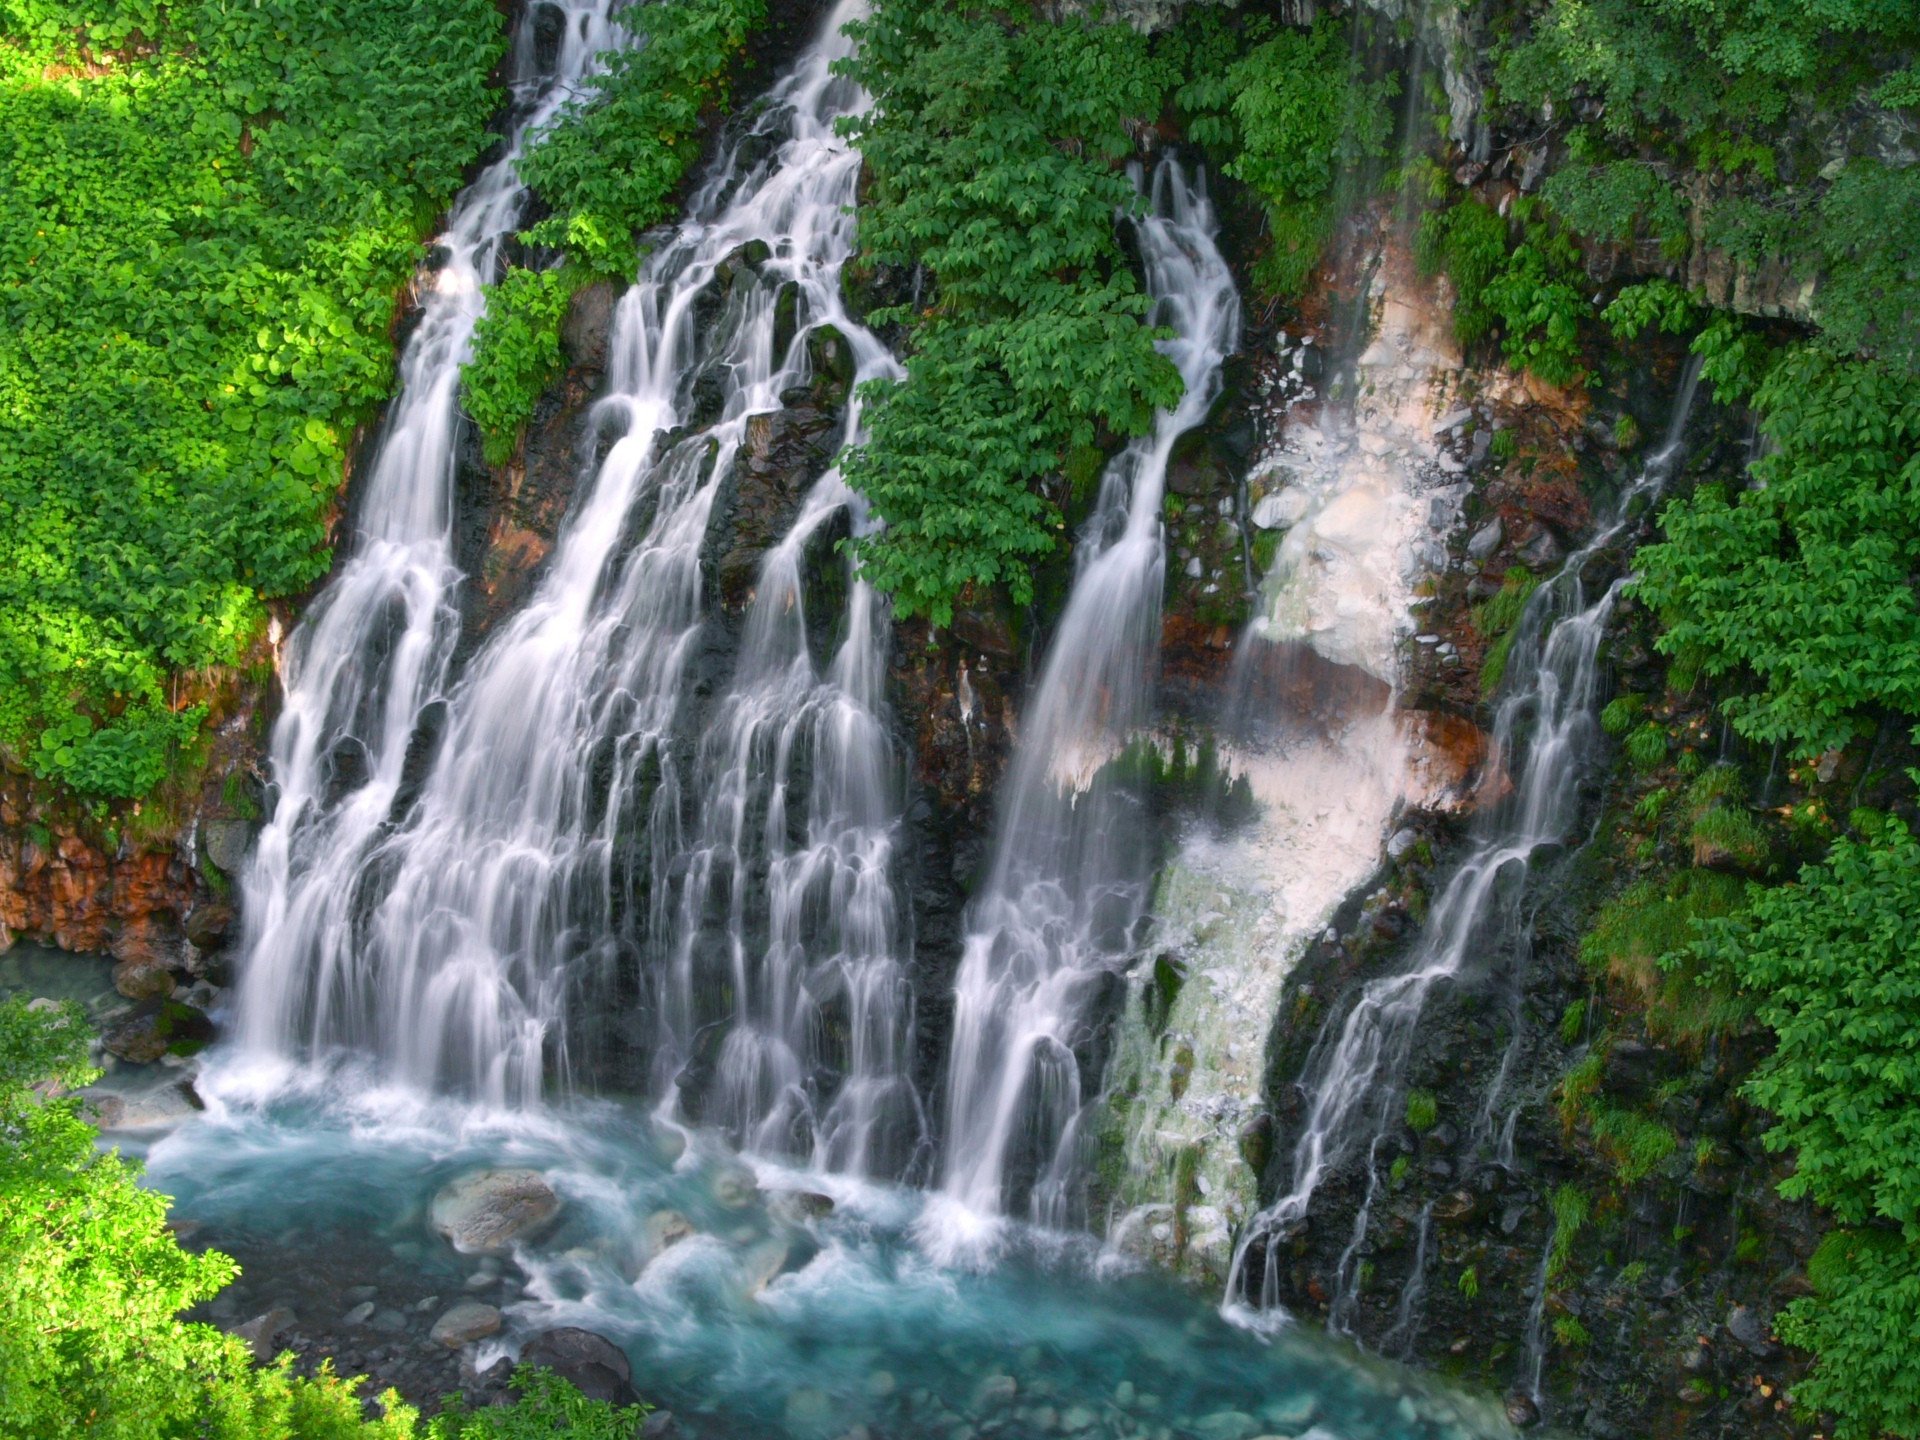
x=1531, y=291
x=1721, y=828
x=1573, y=1020
x=1642, y=939
x=993, y=147
x=1834, y=962
x=1617, y=200
x=1541, y=302
x=1468, y=242
x=1423, y=1111
x=91, y=1282
x=206, y=214
x=1308, y=121
x=1834, y=965
x=1571, y=1333
x=1469, y=1283
x=1646, y=747
x=1697, y=69
x=607, y=167
x=1570, y=1208
x=516, y=352
x=1498, y=620
x=1804, y=579
x=1636, y=1145
x=1618, y=714
x=1653, y=304
x=547, y=1406
x=1863, y=1321
x=609, y=164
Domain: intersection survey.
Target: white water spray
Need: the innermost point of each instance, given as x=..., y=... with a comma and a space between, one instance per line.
x=1068, y=881
x=566, y=858
x=1353, y=1072
x=374, y=650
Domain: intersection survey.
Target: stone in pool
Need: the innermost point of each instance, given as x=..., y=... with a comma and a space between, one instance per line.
x=464, y=1323
x=483, y=1211
x=595, y=1365
x=261, y=1331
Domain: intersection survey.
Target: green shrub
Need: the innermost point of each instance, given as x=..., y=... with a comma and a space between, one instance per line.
x=1642, y=940
x=1571, y=1333
x=1570, y=1208
x=516, y=352
x=609, y=164
x=1498, y=620
x=993, y=150
x=1309, y=121
x=1636, y=1145
x=1613, y=201
x=1468, y=242
x=1834, y=965
x=1863, y=1322
x=210, y=211
x=1423, y=1111
x=1804, y=579
x=1573, y=1020
x=91, y=1283
x=1646, y=747
x=1618, y=714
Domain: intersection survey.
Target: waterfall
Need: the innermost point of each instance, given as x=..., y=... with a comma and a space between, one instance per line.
x=1067, y=884
x=1353, y=1072
x=373, y=652
x=575, y=868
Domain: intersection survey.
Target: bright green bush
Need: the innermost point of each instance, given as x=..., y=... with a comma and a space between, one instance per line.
x=1615, y=200
x=206, y=215
x=1833, y=963
x=993, y=148
x=1804, y=579
x=1308, y=121
x=610, y=164
x=1642, y=938
x=1531, y=292
x=91, y=1283
x=516, y=352
x=1423, y=1111
x=607, y=167
x=1467, y=241
x=1863, y=1321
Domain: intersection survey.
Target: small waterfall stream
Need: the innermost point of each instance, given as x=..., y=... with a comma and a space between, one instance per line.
x=1068, y=881
x=1353, y=1071
x=373, y=652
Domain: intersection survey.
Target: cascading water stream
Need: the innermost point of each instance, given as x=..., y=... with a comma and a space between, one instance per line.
x=1352, y=1073
x=1068, y=880
x=374, y=651
x=563, y=852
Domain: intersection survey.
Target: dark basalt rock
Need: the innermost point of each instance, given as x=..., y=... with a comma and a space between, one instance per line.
x=592, y=1363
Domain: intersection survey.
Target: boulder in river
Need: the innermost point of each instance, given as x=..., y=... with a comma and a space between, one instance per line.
x=593, y=1364
x=261, y=1331
x=465, y=1322
x=483, y=1211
